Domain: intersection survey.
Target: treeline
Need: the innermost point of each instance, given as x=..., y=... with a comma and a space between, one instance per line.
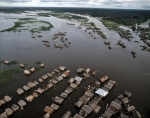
x=122, y=16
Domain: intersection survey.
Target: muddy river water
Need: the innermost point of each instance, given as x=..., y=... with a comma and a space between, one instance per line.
x=132, y=74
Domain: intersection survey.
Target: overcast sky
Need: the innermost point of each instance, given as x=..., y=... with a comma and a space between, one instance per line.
x=129, y=4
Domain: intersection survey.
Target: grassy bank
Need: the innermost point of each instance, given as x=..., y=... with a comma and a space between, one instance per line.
x=115, y=26
x=20, y=25
x=7, y=76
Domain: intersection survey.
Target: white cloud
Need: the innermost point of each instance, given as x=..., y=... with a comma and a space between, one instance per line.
x=79, y=3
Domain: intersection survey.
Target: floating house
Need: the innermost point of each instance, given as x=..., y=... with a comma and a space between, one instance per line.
x=6, y=62
x=66, y=74
x=42, y=65
x=26, y=72
x=68, y=90
x=29, y=98
x=48, y=109
x=54, y=106
x=26, y=88
x=15, y=107
x=58, y=100
x=7, y=98
x=22, y=103
x=32, y=69
x=20, y=91
x=101, y=92
x=22, y=65
x=64, y=95
x=8, y=111
x=2, y=102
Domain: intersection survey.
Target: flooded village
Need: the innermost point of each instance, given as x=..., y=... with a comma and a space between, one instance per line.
x=66, y=65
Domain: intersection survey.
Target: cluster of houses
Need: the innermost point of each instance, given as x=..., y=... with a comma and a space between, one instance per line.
x=121, y=103
x=73, y=84
x=32, y=69
x=121, y=44
x=108, y=43
x=89, y=102
x=39, y=91
x=62, y=38
x=124, y=36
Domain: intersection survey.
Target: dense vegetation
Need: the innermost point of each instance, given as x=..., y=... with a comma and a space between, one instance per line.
x=7, y=75
x=120, y=16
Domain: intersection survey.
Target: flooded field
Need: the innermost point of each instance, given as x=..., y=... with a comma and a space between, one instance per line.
x=130, y=73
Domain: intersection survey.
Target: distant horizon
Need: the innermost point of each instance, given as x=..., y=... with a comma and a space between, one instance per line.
x=110, y=4
x=73, y=7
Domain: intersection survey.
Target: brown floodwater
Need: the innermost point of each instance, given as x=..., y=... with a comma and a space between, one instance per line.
x=132, y=74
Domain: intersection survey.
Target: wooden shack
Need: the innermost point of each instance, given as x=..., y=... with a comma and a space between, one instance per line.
x=35, y=95
x=83, y=113
x=44, y=77
x=89, y=93
x=36, y=83
x=66, y=74
x=8, y=111
x=85, y=99
x=22, y=103
x=80, y=70
x=60, y=78
x=103, y=79
x=64, y=95
x=20, y=91
x=29, y=98
x=26, y=72
x=96, y=110
x=71, y=80
x=73, y=85
x=15, y=107
x=3, y=115
x=125, y=100
x=115, y=105
x=58, y=100
x=87, y=109
x=50, y=85
x=54, y=106
x=26, y=88
x=49, y=75
x=48, y=109
x=68, y=90
x=6, y=62
x=31, y=84
x=56, y=70
x=32, y=69
x=128, y=94
x=41, y=80
x=22, y=65
x=79, y=103
x=2, y=102
x=39, y=90
x=7, y=98
x=42, y=65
